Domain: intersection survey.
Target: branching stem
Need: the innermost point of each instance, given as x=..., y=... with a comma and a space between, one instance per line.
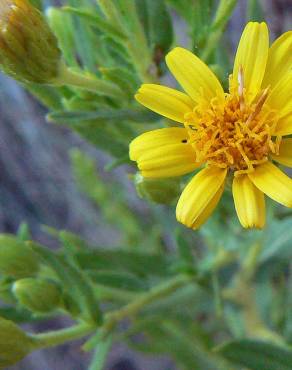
x=111, y=319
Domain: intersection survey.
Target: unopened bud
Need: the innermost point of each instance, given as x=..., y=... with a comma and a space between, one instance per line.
x=14, y=343
x=163, y=191
x=28, y=48
x=38, y=295
x=16, y=258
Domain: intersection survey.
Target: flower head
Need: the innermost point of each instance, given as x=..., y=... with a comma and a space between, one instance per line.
x=28, y=48
x=238, y=133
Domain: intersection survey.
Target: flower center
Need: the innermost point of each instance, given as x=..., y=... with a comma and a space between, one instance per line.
x=233, y=133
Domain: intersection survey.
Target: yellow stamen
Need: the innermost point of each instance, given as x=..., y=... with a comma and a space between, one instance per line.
x=233, y=133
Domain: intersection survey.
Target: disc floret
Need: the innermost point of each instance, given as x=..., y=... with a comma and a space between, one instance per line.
x=235, y=133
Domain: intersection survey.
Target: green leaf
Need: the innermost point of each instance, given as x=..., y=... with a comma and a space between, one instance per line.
x=62, y=26
x=74, y=282
x=23, y=232
x=123, y=78
x=48, y=95
x=184, y=7
x=254, y=11
x=96, y=21
x=67, y=117
x=277, y=241
x=100, y=354
x=169, y=337
x=138, y=263
x=111, y=203
x=83, y=40
x=118, y=280
x=72, y=241
x=160, y=31
x=257, y=355
x=184, y=249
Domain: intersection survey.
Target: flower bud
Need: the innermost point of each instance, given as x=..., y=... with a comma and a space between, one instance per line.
x=16, y=259
x=28, y=48
x=163, y=191
x=38, y=295
x=14, y=343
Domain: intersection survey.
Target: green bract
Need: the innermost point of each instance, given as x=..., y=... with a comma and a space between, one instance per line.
x=28, y=48
x=163, y=191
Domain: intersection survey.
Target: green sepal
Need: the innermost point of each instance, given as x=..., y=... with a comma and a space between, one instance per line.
x=36, y=56
x=163, y=191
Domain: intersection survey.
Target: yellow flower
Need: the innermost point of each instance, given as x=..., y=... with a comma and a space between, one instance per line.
x=235, y=133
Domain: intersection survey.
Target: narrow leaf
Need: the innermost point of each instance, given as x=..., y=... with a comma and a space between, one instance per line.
x=102, y=114
x=257, y=355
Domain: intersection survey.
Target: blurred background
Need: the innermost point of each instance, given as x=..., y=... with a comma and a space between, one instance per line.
x=37, y=186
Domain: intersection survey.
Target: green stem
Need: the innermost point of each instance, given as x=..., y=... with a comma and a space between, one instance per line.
x=142, y=64
x=78, y=331
x=243, y=293
x=131, y=309
x=158, y=292
x=98, y=86
x=55, y=338
x=223, y=13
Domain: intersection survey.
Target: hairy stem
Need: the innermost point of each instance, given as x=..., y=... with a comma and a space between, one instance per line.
x=78, y=331
x=90, y=83
x=243, y=294
x=57, y=337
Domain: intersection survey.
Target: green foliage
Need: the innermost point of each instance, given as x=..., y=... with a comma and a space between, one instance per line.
x=217, y=299
x=257, y=355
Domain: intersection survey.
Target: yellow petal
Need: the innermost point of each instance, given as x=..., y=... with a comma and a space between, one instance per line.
x=163, y=153
x=200, y=197
x=285, y=153
x=273, y=182
x=168, y=102
x=194, y=76
x=284, y=125
x=249, y=202
x=203, y=217
x=251, y=56
x=280, y=97
x=279, y=60
x=156, y=139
